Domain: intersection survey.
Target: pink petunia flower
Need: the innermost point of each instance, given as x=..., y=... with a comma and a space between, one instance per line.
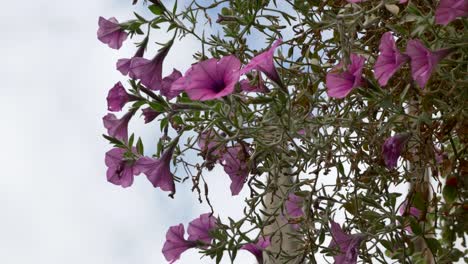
x=392, y=148
x=346, y=244
x=158, y=171
x=210, y=148
x=259, y=87
x=149, y=72
x=123, y=65
x=149, y=114
x=210, y=79
x=449, y=10
x=111, y=33
x=390, y=59
x=257, y=248
x=411, y=211
x=423, y=60
x=264, y=62
x=117, y=128
x=167, y=84
x=235, y=162
x=175, y=243
x=340, y=83
x=199, y=229
x=354, y=1
x=117, y=98
x=119, y=171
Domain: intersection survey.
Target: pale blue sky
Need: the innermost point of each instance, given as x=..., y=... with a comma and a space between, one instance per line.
x=57, y=206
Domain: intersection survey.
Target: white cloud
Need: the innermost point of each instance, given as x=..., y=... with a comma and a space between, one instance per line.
x=56, y=204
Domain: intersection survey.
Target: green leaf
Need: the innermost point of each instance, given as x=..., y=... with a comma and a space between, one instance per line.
x=156, y=9
x=450, y=193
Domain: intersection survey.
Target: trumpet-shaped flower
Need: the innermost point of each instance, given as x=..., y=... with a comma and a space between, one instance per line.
x=264, y=62
x=158, y=171
x=111, y=33
x=236, y=166
x=117, y=98
x=199, y=229
x=119, y=171
x=149, y=72
x=449, y=10
x=390, y=59
x=423, y=60
x=123, y=65
x=210, y=79
x=149, y=114
x=346, y=244
x=392, y=148
x=257, y=248
x=167, y=84
x=175, y=243
x=340, y=83
x=117, y=128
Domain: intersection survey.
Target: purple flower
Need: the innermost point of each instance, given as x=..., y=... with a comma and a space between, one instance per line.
x=259, y=87
x=210, y=148
x=167, y=84
x=354, y=1
x=149, y=114
x=111, y=33
x=175, y=243
x=149, y=72
x=119, y=170
x=403, y=1
x=257, y=248
x=340, y=83
x=294, y=206
x=264, y=62
x=158, y=171
x=117, y=98
x=392, y=148
x=389, y=60
x=117, y=128
x=199, y=229
x=411, y=211
x=346, y=244
x=210, y=79
x=123, y=65
x=236, y=166
x=423, y=60
x=449, y=10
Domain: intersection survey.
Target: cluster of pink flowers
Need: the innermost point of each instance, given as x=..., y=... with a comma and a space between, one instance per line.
x=341, y=82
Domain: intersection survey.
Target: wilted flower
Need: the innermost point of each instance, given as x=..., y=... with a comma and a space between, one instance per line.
x=259, y=87
x=117, y=98
x=167, y=84
x=149, y=114
x=264, y=62
x=423, y=60
x=175, y=243
x=236, y=166
x=117, y=128
x=257, y=248
x=210, y=79
x=346, y=244
x=111, y=33
x=199, y=229
x=149, y=72
x=392, y=148
x=158, y=171
x=210, y=148
x=390, y=59
x=119, y=171
x=340, y=83
x=449, y=10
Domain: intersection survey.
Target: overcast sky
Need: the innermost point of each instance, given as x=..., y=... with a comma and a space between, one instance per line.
x=57, y=206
